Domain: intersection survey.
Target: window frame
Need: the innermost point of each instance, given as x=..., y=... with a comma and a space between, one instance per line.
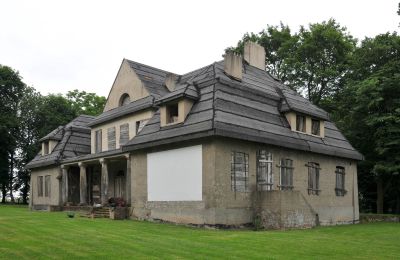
x=172, y=119
x=314, y=173
x=98, y=141
x=286, y=170
x=235, y=172
x=47, y=186
x=313, y=120
x=340, y=173
x=40, y=186
x=111, y=138
x=265, y=173
x=304, y=128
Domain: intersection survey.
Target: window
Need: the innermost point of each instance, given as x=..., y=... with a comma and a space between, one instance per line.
x=124, y=100
x=98, y=141
x=45, y=148
x=172, y=114
x=123, y=134
x=239, y=171
x=315, y=127
x=286, y=174
x=265, y=178
x=313, y=178
x=140, y=124
x=340, y=189
x=111, y=138
x=40, y=186
x=47, y=186
x=300, y=123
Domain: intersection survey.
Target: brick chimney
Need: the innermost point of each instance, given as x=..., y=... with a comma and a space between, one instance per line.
x=233, y=65
x=254, y=55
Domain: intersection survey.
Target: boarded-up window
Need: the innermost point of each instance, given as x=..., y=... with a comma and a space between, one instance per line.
x=111, y=138
x=315, y=127
x=340, y=187
x=47, y=186
x=40, y=186
x=265, y=178
x=123, y=134
x=239, y=171
x=98, y=141
x=286, y=174
x=300, y=123
x=140, y=124
x=313, y=178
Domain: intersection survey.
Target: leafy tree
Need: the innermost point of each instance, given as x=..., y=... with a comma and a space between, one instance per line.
x=369, y=112
x=11, y=90
x=86, y=103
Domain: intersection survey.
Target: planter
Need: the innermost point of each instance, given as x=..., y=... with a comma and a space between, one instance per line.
x=118, y=213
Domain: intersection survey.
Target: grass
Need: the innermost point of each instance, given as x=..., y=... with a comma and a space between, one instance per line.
x=31, y=235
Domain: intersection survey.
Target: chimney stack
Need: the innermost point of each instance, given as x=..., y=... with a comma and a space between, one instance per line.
x=170, y=81
x=254, y=55
x=233, y=65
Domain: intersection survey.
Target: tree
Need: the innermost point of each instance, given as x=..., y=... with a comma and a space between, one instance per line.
x=369, y=112
x=86, y=103
x=11, y=90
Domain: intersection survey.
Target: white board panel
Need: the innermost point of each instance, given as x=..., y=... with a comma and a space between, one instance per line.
x=175, y=175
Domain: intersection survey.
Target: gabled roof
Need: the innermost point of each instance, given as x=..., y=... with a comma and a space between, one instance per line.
x=250, y=109
x=183, y=90
x=56, y=134
x=152, y=78
x=75, y=141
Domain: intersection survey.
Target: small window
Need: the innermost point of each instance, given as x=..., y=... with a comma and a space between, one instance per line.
x=265, y=178
x=46, y=147
x=111, y=138
x=40, y=186
x=124, y=100
x=123, y=134
x=98, y=141
x=315, y=127
x=140, y=124
x=172, y=114
x=300, y=123
x=286, y=174
x=340, y=187
x=47, y=186
x=313, y=178
x=239, y=171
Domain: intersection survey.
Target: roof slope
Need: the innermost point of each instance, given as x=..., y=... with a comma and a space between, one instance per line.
x=75, y=141
x=250, y=109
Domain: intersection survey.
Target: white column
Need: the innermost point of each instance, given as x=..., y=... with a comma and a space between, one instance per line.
x=64, y=170
x=83, y=184
x=104, y=181
x=128, y=179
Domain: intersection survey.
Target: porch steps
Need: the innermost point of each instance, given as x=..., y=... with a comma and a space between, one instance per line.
x=97, y=213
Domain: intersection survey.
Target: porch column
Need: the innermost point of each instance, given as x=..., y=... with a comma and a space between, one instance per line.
x=128, y=180
x=60, y=187
x=30, y=192
x=64, y=192
x=83, y=184
x=104, y=181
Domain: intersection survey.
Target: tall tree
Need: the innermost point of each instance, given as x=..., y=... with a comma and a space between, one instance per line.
x=11, y=90
x=86, y=103
x=369, y=112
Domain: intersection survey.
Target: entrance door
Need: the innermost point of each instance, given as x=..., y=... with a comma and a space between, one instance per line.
x=119, y=185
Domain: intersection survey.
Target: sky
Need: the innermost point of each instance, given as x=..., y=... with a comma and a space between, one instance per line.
x=59, y=46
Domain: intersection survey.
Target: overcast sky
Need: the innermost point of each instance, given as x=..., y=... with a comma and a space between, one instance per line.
x=64, y=45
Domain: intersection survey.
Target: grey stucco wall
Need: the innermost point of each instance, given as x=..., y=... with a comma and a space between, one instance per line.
x=44, y=202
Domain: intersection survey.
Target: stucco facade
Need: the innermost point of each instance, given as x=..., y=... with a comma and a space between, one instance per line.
x=53, y=199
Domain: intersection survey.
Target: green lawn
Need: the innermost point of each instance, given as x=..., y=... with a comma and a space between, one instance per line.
x=26, y=234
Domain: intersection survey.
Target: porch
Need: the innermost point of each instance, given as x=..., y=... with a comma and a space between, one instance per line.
x=94, y=182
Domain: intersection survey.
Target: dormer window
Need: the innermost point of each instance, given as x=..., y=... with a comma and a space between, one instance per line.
x=124, y=100
x=172, y=113
x=45, y=148
x=315, y=127
x=300, y=123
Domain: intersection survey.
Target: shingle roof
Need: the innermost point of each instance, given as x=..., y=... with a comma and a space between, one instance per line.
x=132, y=107
x=183, y=90
x=56, y=134
x=75, y=141
x=249, y=110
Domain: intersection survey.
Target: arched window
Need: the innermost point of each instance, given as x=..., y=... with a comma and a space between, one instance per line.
x=125, y=99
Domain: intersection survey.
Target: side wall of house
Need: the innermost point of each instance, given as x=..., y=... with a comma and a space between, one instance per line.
x=221, y=205
x=45, y=202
